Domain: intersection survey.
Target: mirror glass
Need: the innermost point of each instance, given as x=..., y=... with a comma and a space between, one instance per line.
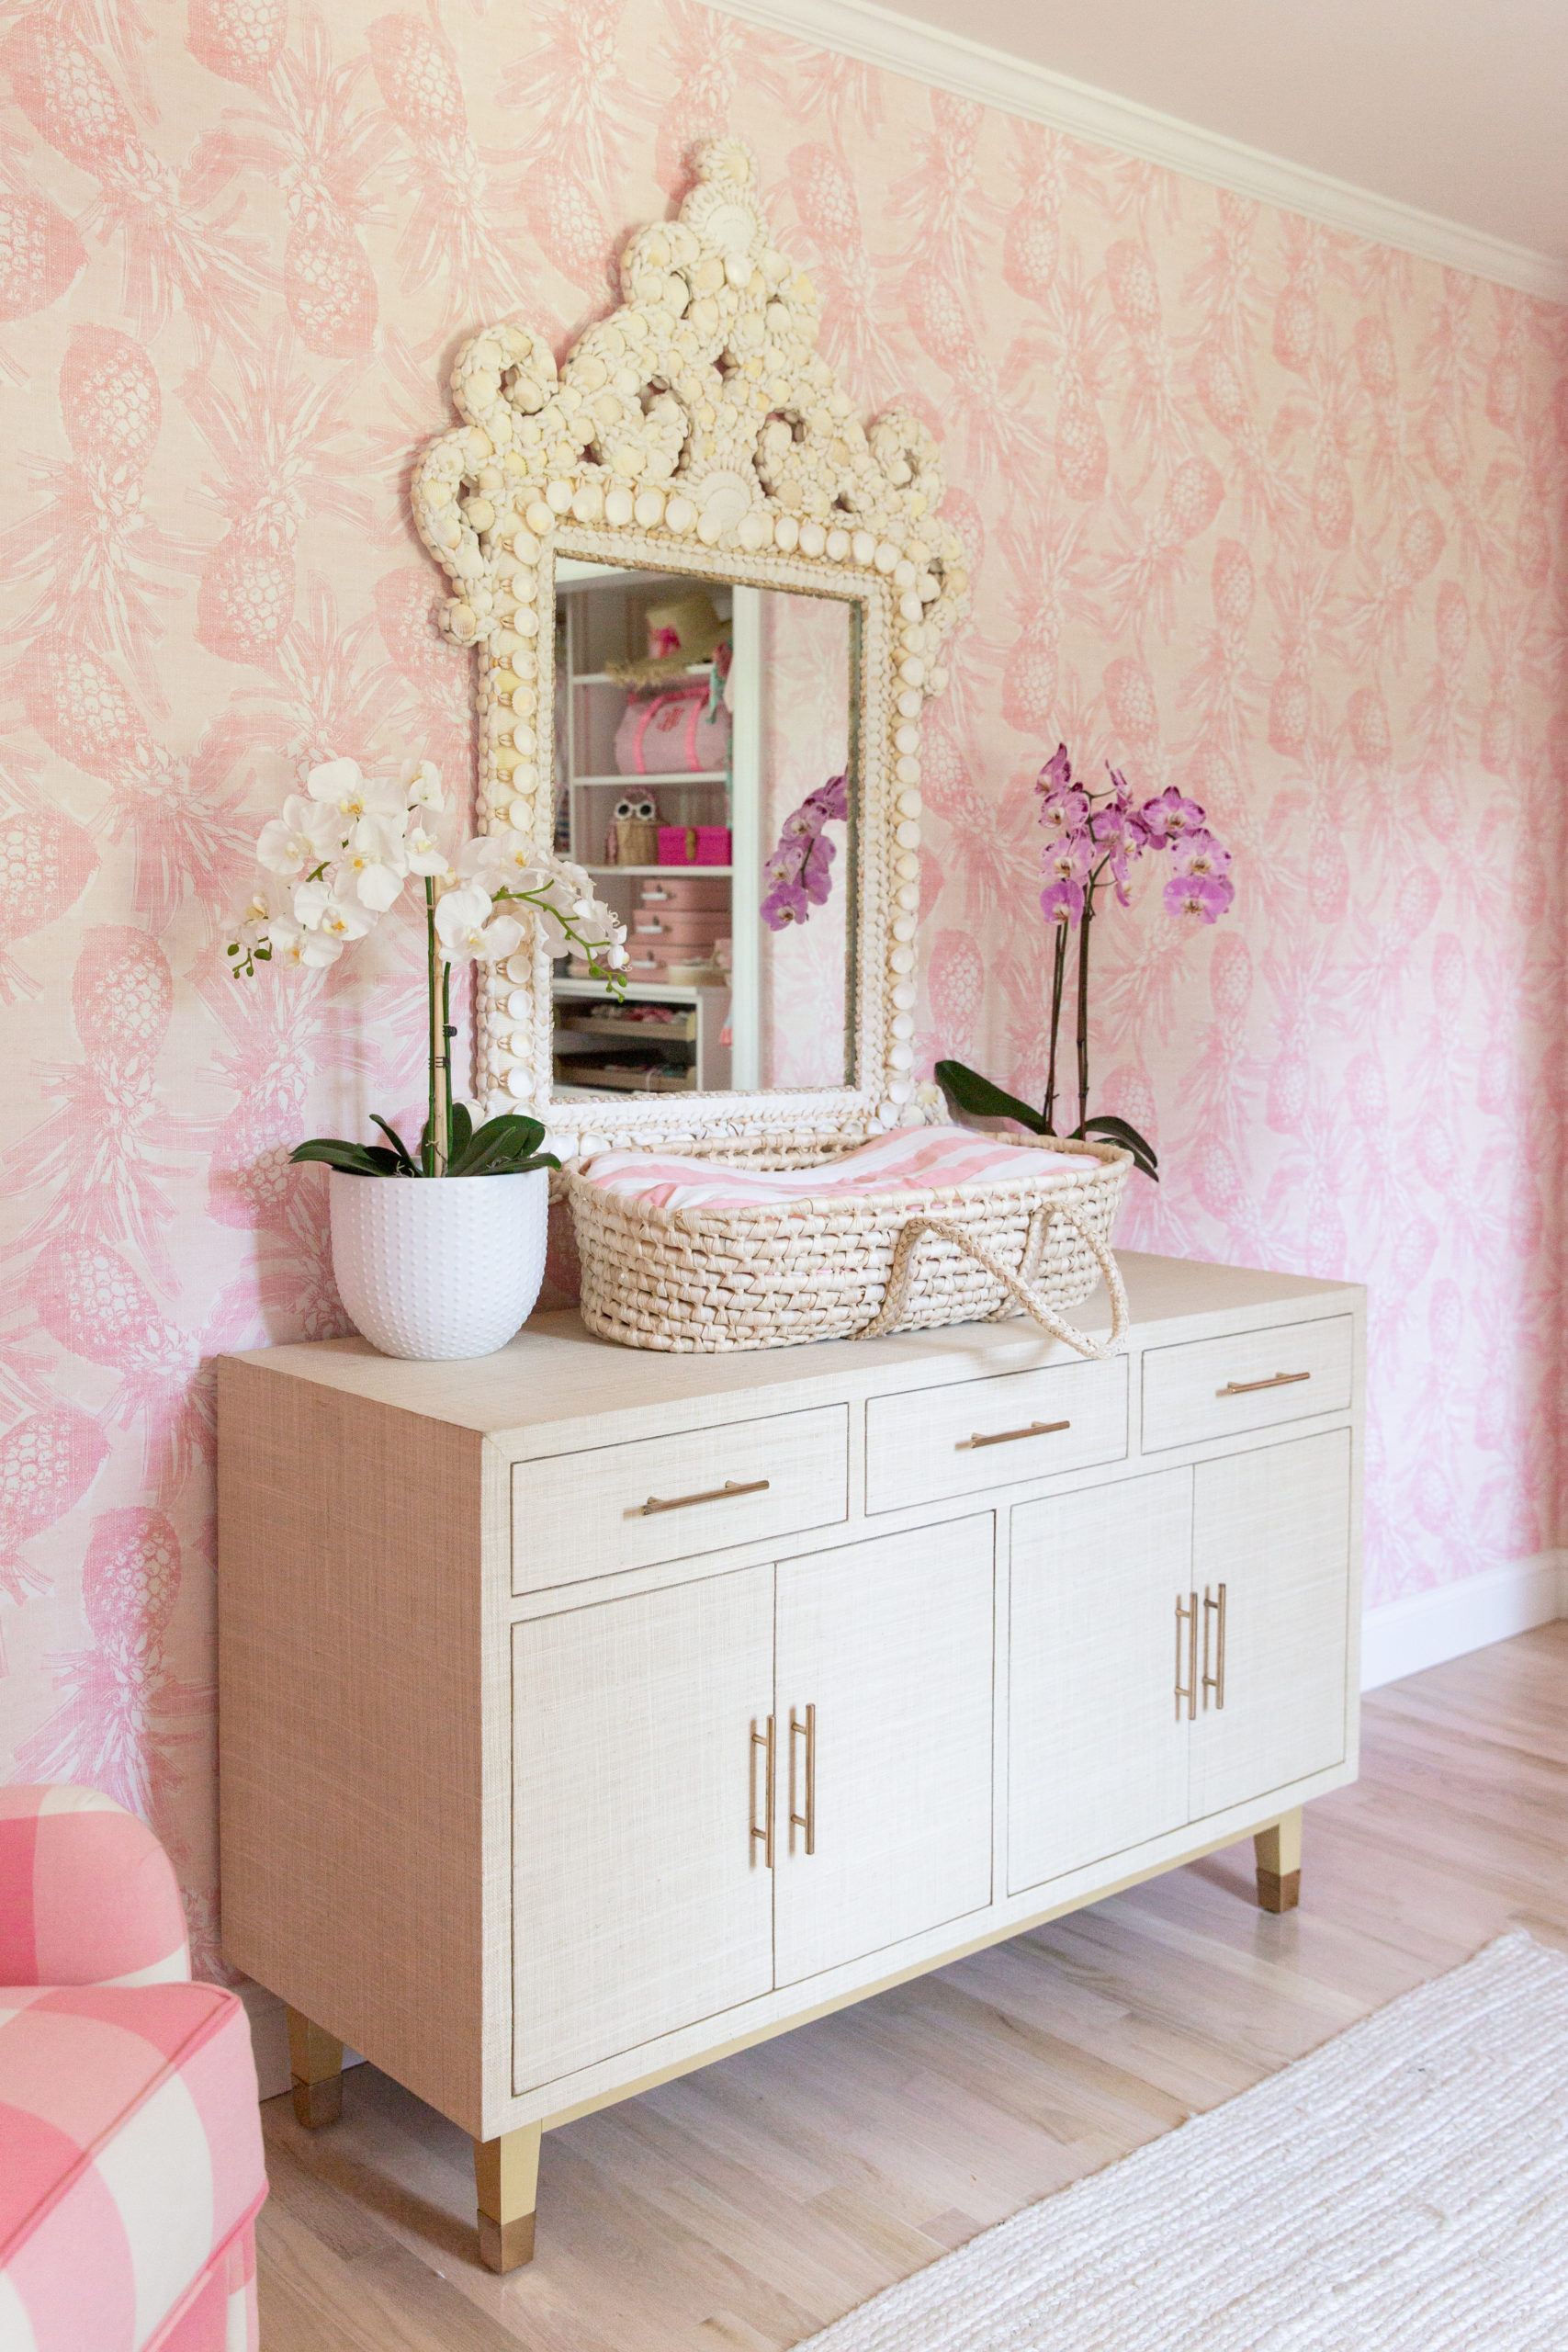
x=705, y=774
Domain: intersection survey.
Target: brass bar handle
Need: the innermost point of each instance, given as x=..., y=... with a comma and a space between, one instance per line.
x=1006, y=1437
x=1250, y=1387
x=764, y=1831
x=1215, y=1681
x=713, y=1495
x=1187, y=1614
x=806, y=1820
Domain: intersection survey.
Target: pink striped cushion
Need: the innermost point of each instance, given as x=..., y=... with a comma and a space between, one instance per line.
x=87, y=1895
x=130, y=2166
x=910, y=1160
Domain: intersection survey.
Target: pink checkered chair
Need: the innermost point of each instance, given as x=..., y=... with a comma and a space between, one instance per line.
x=131, y=2155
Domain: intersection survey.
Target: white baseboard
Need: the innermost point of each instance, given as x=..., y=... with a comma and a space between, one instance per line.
x=1430, y=1627
x=269, y=2039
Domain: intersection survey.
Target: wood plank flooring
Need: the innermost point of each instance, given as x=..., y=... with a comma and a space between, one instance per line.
x=747, y=2205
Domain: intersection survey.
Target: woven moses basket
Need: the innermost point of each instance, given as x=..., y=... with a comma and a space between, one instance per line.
x=773, y=1274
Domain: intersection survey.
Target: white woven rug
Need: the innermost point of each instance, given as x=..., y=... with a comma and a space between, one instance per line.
x=1404, y=2189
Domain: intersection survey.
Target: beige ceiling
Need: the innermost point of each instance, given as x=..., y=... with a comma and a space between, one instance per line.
x=1457, y=106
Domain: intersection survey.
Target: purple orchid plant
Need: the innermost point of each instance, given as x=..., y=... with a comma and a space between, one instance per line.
x=1094, y=841
x=800, y=872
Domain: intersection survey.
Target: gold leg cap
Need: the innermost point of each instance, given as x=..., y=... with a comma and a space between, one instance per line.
x=506, y=2245
x=1278, y=1893
x=318, y=2103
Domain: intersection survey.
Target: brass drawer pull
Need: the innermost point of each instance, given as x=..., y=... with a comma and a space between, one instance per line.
x=763, y=1829
x=1187, y=1613
x=1247, y=1387
x=1215, y=1681
x=806, y=1820
x=1006, y=1437
x=713, y=1495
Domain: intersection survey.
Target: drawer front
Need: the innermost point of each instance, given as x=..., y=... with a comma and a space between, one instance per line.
x=1210, y=1388
x=576, y=1515
x=932, y=1443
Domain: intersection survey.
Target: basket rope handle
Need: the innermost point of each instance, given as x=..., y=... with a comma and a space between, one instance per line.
x=1012, y=1284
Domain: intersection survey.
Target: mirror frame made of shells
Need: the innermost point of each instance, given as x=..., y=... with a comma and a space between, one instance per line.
x=696, y=429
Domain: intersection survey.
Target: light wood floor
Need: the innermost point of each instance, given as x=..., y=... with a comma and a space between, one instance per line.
x=751, y=2203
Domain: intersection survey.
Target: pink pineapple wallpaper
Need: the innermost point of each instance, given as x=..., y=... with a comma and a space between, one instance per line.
x=1251, y=507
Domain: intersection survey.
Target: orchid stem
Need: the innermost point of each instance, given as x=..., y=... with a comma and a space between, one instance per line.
x=1083, y=1010
x=1058, y=977
x=437, y=1131
x=448, y=1030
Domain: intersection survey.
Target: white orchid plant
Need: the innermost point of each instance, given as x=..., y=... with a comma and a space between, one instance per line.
x=340, y=857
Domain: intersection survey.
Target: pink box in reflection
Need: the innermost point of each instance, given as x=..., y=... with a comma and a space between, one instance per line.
x=694, y=845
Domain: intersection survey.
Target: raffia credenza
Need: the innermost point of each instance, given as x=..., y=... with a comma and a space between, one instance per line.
x=587, y=1713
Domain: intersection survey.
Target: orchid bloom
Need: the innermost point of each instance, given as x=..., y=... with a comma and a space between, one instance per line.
x=419, y=781
x=1063, y=901
x=1199, y=853
x=503, y=855
x=1065, y=812
x=1120, y=840
x=800, y=870
x=254, y=923
x=1065, y=865
x=1168, y=816
x=1064, y=804
x=559, y=893
x=317, y=907
x=1069, y=859
x=467, y=933
x=305, y=950
x=540, y=887
x=424, y=854
x=298, y=840
x=1057, y=775
x=339, y=785
x=375, y=860
x=1206, y=896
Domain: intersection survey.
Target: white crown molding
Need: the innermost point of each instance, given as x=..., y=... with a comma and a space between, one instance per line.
x=949, y=60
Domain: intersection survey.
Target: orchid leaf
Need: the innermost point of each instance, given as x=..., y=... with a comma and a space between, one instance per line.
x=968, y=1090
x=1114, y=1130
x=354, y=1159
x=505, y=1146
x=395, y=1139
x=460, y=1127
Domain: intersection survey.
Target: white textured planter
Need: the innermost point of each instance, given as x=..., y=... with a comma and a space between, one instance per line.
x=434, y=1268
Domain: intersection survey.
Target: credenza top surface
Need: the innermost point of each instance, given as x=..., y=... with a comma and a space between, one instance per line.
x=556, y=1371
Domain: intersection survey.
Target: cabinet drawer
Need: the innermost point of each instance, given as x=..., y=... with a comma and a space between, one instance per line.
x=587, y=1514
x=1210, y=1388
x=930, y=1443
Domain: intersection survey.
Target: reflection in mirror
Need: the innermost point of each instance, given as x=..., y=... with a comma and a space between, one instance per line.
x=704, y=775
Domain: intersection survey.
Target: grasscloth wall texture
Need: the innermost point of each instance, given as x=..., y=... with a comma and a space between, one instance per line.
x=1252, y=508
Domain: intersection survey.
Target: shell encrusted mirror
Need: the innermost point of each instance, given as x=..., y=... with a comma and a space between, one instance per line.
x=709, y=605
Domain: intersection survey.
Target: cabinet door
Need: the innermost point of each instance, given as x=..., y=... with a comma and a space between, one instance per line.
x=891, y=1643
x=1274, y=1527
x=641, y=1902
x=1097, y=1746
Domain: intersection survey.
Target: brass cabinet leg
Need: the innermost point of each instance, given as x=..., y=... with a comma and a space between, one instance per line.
x=1279, y=1851
x=315, y=2061
x=507, y=2176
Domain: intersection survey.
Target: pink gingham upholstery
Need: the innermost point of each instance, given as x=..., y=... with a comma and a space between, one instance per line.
x=86, y=1893
x=131, y=2158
